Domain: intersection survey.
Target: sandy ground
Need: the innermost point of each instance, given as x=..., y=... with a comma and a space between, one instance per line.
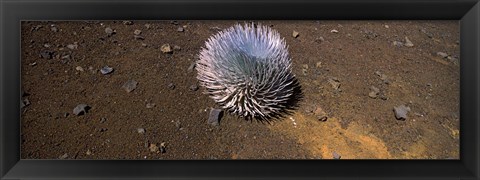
x=336, y=63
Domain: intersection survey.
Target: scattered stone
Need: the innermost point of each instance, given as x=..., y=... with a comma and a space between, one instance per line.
x=144, y=45
x=320, y=39
x=65, y=115
x=442, y=54
x=334, y=82
x=46, y=45
x=174, y=22
x=54, y=28
x=171, y=86
x=109, y=31
x=383, y=77
x=408, y=43
x=26, y=102
x=102, y=129
x=180, y=29
x=336, y=155
x=106, y=70
x=386, y=26
x=64, y=156
x=193, y=87
x=137, y=32
x=318, y=64
x=81, y=109
x=79, y=68
x=334, y=31
x=397, y=43
x=88, y=153
x=177, y=48
x=36, y=28
x=295, y=34
x=128, y=22
x=192, y=66
x=153, y=148
x=320, y=114
x=162, y=147
x=72, y=46
x=214, y=117
x=166, y=48
x=138, y=37
x=148, y=26
x=401, y=112
x=150, y=105
x=130, y=85
x=47, y=54
x=103, y=120
x=141, y=130
x=374, y=92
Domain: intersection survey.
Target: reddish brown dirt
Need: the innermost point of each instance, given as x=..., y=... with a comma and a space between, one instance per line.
x=358, y=127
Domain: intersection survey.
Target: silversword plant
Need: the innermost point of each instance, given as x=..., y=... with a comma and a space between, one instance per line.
x=246, y=70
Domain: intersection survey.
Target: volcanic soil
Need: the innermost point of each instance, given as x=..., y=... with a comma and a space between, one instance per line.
x=338, y=114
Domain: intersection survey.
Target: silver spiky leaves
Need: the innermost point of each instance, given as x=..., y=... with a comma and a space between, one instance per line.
x=246, y=70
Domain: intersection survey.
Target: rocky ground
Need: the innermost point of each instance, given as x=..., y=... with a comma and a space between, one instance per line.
x=128, y=90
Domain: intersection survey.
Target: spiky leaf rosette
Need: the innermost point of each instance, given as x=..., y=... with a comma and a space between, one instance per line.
x=246, y=69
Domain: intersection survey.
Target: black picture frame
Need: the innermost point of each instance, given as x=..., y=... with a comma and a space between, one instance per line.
x=13, y=12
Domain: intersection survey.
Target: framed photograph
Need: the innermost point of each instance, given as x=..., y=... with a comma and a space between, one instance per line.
x=239, y=89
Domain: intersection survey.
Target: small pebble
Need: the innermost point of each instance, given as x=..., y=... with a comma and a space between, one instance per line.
x=81, y=109
x=103, y=120
x=180, y=29
x=334, y=31
x=138, y=37
x=130, y=85
x=334, y=82
x=79, y=68
x=194, y=87
x=442, y=54
x=88, y=153
x=336, y=155
x=171, y=86
x=214, y=117
x=166, y=48
x=148, y=26
x=295, y=34
x=386, y=26
x=401, y=112
x=191, y=67
x=397, y=43
x=177, y=48
x=64, y=156
x=162, y=147
x=109, y=31
x=320, y=39
x=128, y=22
x=374, y=92
x=408, y=43
x=106, y=70
x=141, y=130
x=153, y=148
x=150, y=105
x=137, y=32
x=72, y=46
x=318, y=64
x=54, y=29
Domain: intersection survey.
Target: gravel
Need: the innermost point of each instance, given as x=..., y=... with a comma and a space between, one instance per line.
x=166, y=48
x=81, y=109
x=401, y=112
x=374, y=92
x=180, y=29
x=193, y=87
x=214, y=117
x=408, y=43
x=141, y=130
x=295, y=34
x=442, y=54
x=334, y=82
x=109, y=31
x=106, y=70
x=130, y=85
